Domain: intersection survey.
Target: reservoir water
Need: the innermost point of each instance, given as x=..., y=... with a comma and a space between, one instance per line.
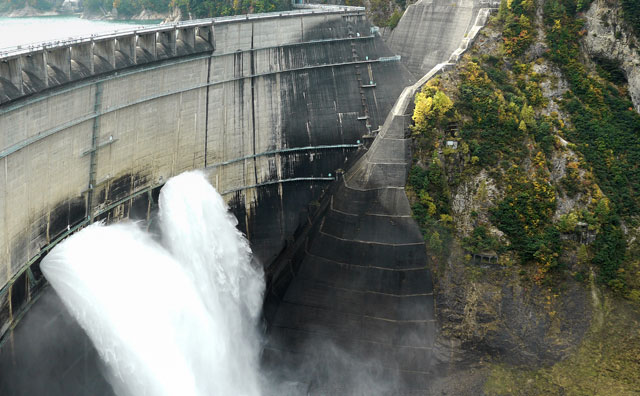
x=24, y=31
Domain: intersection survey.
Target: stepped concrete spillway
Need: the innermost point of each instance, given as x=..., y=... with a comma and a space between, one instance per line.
x=272, y=107
x=363, y=289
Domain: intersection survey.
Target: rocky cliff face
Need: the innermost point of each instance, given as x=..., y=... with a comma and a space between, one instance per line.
x=488, y=301
x=529, y=305
x=495, y=309
x=608, y=38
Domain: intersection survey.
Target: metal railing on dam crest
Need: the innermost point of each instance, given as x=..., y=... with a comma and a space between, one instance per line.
x=30, y=68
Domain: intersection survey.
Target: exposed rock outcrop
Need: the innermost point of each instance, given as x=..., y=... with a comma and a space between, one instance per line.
x=490, y=308
x=608, y=38
x=175, y=15
x=148, y=15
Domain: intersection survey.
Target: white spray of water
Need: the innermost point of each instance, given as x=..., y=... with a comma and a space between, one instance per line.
x=177, y=318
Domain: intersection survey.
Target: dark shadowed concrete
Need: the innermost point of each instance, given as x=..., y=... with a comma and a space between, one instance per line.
x=49, y=354
x=358, y=317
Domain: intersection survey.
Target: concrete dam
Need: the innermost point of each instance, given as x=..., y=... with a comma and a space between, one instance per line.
x=298, y=119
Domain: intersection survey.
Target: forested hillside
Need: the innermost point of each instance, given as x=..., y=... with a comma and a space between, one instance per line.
x=382, y=12
x=128, y=8
x=197, y=8
x=631, y=14
x=526, y=185
x=43, y=5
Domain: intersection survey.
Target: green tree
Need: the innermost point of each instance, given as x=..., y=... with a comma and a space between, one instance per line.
x=435, y=243
x=503, y=11
x=394, y=19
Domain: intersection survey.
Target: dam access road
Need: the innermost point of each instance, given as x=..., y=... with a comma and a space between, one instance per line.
x=293, y=117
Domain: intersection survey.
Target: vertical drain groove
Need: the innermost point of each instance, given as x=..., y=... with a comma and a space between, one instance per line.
x=94, y=148
x=253, y=107
x=206, y=112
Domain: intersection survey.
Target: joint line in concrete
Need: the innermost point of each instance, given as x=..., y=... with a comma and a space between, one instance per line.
x=372, y=189
x=366, y=214
x=321, y=308
x=302, y=43
x=326, y=284
x=367, y=266
x=295, y=179
x=283, y=150
x=371, y=242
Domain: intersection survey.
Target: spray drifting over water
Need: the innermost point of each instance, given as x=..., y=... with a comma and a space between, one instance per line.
x=171, y=318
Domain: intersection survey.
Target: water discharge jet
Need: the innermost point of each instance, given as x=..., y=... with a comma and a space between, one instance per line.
x=172, y=317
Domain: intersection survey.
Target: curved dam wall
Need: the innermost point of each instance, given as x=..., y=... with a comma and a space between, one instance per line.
x=270, y=106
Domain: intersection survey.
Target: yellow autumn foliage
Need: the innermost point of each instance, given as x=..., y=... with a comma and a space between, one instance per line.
x=422, y=112
x=431, y=106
